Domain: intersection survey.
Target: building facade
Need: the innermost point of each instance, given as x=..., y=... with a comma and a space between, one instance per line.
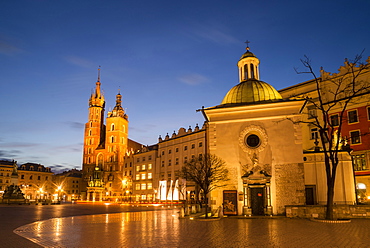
x=355, y=122
x=8, y=174
x=35, y=181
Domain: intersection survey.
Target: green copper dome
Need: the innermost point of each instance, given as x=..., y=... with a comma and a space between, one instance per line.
x=251, y=91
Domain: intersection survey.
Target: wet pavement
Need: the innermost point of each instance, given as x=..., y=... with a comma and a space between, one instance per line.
x=163, y=228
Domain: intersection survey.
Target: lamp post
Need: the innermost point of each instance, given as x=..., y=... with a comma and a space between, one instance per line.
x=124, y=186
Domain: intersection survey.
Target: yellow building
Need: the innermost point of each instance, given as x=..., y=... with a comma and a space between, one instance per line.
x=173, y=152
x=8, y=174
x=68, y=185
x=35, y=181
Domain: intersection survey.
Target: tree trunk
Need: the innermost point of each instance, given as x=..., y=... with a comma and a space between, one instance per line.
x=330, y=200
x=206, y=204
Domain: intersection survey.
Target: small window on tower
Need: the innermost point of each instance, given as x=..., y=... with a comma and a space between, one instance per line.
x=112, y=127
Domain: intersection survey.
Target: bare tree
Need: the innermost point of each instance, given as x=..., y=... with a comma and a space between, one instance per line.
x=334, y=94
x=208, y=172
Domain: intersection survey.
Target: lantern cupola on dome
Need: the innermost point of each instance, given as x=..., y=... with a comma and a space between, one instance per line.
x=250, y=89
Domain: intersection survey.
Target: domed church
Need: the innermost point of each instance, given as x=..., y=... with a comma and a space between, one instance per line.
x=258, y=134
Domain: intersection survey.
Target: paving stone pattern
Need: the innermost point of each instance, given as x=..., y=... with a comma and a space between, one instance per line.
x=165, y=229
x=159, y=228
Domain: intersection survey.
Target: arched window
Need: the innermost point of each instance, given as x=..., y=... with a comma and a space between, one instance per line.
x=252, y=71
x=245, y=72
x=112, y=139
x=123, y=128
x=89, y=132
x=100, y=160
x=112, y=127
x=90, y=123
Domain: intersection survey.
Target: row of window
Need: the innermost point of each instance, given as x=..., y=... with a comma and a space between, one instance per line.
x=143, y=186
x=143, y=159
x=354, y=136
x=144, y=176
x=200, y=144
x=352, y=116
x=31, y=177
x=177, y=160
x=2, y=174
x=143, y=167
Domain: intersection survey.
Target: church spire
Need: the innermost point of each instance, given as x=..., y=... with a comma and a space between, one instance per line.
x=118, y=111
x=97, y=98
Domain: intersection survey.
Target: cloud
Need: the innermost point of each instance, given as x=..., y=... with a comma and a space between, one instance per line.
x=75, y=125
x=78, y=61
x=18, y=144
x=9, y=154
x=193, y=79
x=212, y=33
x=8, y=49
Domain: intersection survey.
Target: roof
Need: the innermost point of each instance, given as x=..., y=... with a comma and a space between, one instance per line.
x=251, y=91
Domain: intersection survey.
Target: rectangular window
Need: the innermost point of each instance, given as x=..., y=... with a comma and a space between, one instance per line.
x=177, y=161
x=137, y=167
x=359, y=162
x=143, y=197
x=150, y=185
x=150, y=157
x=143, y=159
x=149, y=175
x=162, y=163
x=143, y=176
x=185, y=160
x=192, y=146
x=314, y=134
x=169, y=151
x=149, y=166
x=352, y=116
x=138, y=160
x=143, y=167
x=169, y=176
x=177, y=149
x=143, y=186
x=355, y=137
x=169, y=162
x=137, y=177
x=334, y=120
x=185, y=148
x=200, y=144
x=137, y=187
x=312, y=113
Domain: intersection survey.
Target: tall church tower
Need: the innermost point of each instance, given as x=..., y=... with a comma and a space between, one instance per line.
x=94, y=131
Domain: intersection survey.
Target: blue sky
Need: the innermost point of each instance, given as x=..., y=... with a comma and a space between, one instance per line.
x=168, y=58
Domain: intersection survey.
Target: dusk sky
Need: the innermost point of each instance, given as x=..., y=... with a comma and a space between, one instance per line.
x=168, y=58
